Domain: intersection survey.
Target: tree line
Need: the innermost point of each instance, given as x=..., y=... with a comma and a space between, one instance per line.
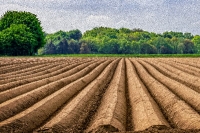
x=21, y=34
x=105, y=40
x=62, y=43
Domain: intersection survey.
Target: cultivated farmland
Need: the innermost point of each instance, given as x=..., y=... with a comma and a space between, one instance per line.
x=97, y=95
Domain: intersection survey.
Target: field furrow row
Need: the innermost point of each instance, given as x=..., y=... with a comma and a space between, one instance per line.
x=97, y=95
x=183, y=67
x=145, y=111
x=44, y=72
x=187, y=94
x=74, y=114
x=179, y=113
x=39, y=112
x=19, y=66
x=111, y=114
x=178, y=75
x=71, y=74
x=194, y=62
x=28, y=65
x=51, y=77
x=34, y=70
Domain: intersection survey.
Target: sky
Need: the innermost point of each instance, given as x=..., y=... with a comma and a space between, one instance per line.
x=150, y=15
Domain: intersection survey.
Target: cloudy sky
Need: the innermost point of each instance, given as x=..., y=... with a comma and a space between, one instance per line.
x=151, y=15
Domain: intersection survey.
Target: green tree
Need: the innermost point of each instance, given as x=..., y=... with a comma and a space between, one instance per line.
x=62, y=47
x=57, y=37
x=173, y=34
x=50, y=48
x=125, y=47
x=188, y=36
x=136, y=47
x=75, y=34
x=73, y=46
x=196, y=41
x=112, y=47
x=148, y=49
x=167, y=35
x=188, y=47
x=174, y=43
x=92, y=45
x=125, y=30
x=28, y=19
x=123, y=40
x=84, y=49
x=18, y=40
x=162, y=45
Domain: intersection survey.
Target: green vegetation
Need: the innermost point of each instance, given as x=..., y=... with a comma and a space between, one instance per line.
x=104, y=40
x=20, y=33
x=122, y=55
x=114, y=55
x=62, y=43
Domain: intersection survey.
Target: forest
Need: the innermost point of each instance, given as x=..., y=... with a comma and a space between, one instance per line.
x=21, y=34
x=105, y=40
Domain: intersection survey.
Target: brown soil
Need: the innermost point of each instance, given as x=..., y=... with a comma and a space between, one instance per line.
x=99, y=95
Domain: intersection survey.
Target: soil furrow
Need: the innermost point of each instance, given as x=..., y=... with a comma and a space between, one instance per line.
x=48, y=71
x=18, y=104
x=18, y=76
x=9, y=94
x=183, y=67
x=129, y=116
x=34, y=116
x=16, y=68
x=111, y=115
x=179, y=113
x=189, y=61
x=7, y=75
x=145, y=111
x=178, y=75
x=99, y=95
x=35, y=71
x=187, y=94
x=34, y=82
x=72, y=116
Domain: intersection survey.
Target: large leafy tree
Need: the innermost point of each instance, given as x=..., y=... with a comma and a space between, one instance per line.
x=17, y=40
x=31, y=26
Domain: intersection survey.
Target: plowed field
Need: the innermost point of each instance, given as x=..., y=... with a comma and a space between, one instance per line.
x=98, y=95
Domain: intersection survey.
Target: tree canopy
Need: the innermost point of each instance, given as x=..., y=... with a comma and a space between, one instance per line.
x=21, y=33
x=62, y=42
x=136, y=41
x=105, y=40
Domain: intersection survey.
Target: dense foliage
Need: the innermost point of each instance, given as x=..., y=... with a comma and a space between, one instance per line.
x=62, y=43
x=137, y=41
x=104, y=40
x=20, y=33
